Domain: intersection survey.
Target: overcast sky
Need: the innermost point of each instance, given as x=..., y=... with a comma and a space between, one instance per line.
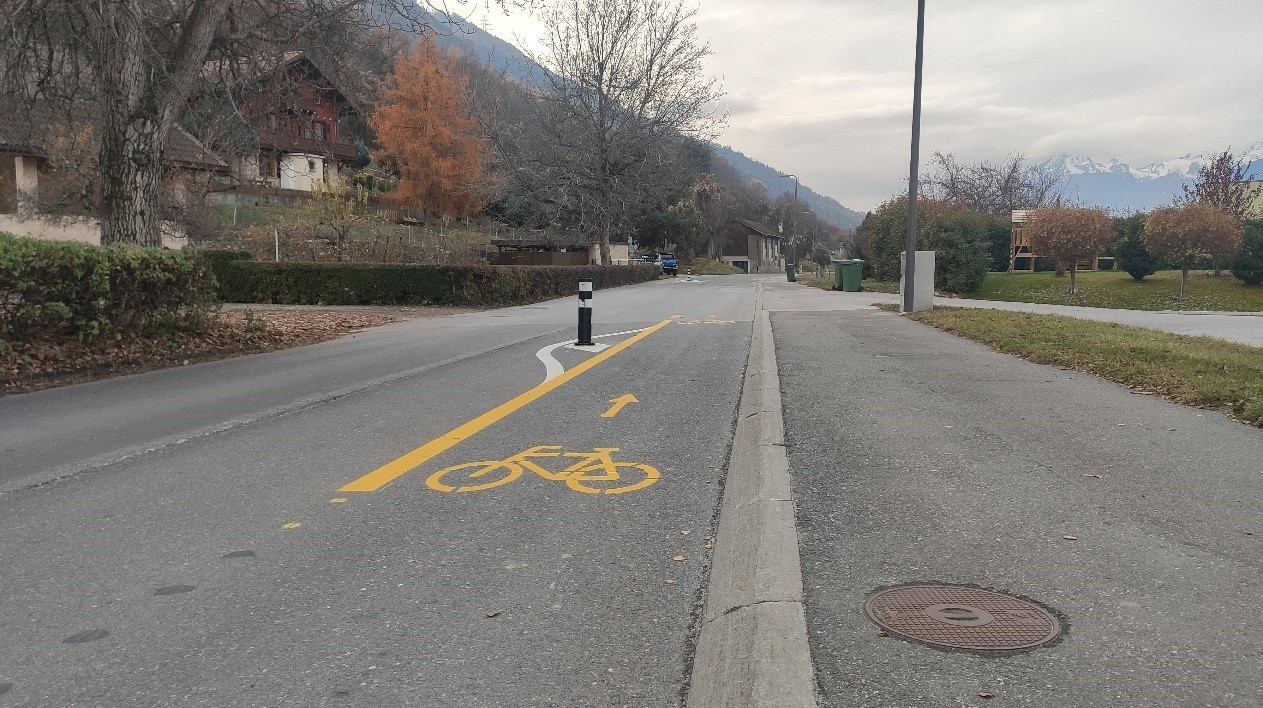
x=823, y=88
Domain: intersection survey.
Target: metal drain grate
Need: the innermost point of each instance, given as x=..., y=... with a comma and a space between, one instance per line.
x=962, y=618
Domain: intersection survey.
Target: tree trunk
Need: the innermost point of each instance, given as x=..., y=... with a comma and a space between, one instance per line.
x=607, y=257
x=131, y=175
x=131, y=132
x=141, y=86
x=1074, y=268
x=1183, y=277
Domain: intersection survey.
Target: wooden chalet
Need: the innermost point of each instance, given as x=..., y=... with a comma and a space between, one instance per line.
x=304, y=125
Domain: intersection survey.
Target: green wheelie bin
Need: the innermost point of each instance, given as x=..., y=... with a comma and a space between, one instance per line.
x=848, y=274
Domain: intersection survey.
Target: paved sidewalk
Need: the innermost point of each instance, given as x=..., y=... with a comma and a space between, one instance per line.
x=916, y=456
x=1242, y=327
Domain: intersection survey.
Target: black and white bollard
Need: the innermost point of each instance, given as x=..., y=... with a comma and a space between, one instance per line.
x=585, y=314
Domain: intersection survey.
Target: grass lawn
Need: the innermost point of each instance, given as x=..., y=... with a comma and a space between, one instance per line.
x=1195, y=371
x=1117, y=289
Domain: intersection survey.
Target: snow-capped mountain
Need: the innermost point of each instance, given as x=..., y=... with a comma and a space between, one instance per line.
x=1122, y=188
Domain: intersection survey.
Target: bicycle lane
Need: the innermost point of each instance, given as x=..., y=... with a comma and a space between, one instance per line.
x=555, y=593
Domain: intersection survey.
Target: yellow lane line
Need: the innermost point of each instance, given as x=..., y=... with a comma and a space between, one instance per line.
x=391, y=471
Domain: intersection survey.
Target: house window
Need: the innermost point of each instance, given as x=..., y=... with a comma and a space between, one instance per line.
x=314, y=130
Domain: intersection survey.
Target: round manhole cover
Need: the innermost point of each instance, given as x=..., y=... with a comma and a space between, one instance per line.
x=962, y=618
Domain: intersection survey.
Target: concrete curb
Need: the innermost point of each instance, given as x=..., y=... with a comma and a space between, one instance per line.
x=752, y=649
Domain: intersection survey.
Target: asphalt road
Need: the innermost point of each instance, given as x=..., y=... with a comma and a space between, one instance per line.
x=918, y=457
x=182, y=537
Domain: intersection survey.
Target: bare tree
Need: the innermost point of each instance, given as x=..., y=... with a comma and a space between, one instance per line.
x=626, y=84
x=136, y=63
x=991, y=188
x=1223, y=184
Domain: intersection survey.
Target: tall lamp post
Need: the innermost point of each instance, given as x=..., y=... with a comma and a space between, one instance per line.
x=910, y=244
x=792, y=240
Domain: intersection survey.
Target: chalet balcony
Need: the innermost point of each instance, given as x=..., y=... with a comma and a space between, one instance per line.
x=343, y=152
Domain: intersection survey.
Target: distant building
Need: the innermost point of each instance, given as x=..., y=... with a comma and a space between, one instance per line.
x=48, y=168
x=1255, y=190
x=542, y=248
x=303, y=124
x=750, y=246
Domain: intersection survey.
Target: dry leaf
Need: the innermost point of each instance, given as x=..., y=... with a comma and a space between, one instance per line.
x=686, y=532
x=669, y=581
x=493, y=614
x=1071, y=538
x=680, y=558
x=1094, y=476
x=984, y=694
x=881, y=633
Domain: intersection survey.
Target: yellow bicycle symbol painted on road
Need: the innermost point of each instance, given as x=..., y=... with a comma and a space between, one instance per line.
x=595, y=472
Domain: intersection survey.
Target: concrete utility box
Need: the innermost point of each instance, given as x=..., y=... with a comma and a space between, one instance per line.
x=923, y=288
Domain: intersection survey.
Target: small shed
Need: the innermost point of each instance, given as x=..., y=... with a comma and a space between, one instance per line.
x=541, y=248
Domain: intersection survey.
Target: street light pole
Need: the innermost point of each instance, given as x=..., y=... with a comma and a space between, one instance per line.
x=793, y=245
x=910, y=244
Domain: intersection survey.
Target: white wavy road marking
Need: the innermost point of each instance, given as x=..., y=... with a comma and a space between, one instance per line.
x=553, y=368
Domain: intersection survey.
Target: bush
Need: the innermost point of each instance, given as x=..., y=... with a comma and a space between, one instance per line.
x=1247, y=266
x=963, y=238
x=1129, y=249
x=392, y=284
x=961, y=242
x=99, y=291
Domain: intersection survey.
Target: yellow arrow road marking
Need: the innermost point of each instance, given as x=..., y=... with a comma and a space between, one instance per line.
x=391, y=471
x=619, y=402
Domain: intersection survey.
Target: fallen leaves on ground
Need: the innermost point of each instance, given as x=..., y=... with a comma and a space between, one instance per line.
x=57, y=359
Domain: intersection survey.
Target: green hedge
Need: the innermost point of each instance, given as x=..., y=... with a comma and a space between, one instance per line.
x=391, y=284
x=96, y=291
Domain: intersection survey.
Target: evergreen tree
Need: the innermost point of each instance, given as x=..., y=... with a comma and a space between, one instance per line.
x=1248, y=264
x=1129, y=248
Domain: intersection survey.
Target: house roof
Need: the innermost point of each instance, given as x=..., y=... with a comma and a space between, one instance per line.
x=42, y=121
x=543, y=242
x=758, y=228
x=184, y=149
x=29, y=134
x=257, y=71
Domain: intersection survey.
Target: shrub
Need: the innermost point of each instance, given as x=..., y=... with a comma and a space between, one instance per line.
x=961, y=242
x=99, y=291
x=963, y=239
x=1248, y=264
x=1129, y=248
x=393, y=284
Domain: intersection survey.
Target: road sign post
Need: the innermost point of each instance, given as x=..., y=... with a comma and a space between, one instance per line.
x=585, y=314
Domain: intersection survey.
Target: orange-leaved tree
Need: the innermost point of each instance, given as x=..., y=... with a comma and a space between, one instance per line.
x=1184, y=234
x=1069, y=235
x=428, y=135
